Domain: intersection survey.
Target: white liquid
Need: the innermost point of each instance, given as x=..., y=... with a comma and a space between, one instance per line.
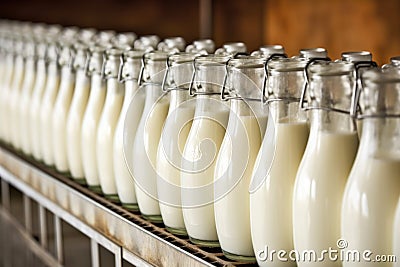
x=396, y=235
x=24, y=105
x=169, y=158
x=145, y=153
x=46, y=112
x=14, y=99
x=198, y=214
x=105, y=136
x=89, y=129
x=34, y=109
x=369, y=206
x=318, y=192
x=5, y=99
x=274, y=198
x=74, y=124
x=59, y=119
x=233, y=169
x=131, y=118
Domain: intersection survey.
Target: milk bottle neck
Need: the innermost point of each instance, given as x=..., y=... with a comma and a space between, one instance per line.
x=177, y=97
x=380, y=112
x=381, y=137
x=331, y=122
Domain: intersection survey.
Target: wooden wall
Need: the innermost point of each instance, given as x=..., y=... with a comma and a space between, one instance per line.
x=338, y=25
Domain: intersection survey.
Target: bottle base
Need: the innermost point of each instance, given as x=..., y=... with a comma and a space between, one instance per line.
x=130, y=206
x=96, y=189
x=205, y=243
x=177, y=231
x=231, y=256
x=153, y=218
x=112, y=197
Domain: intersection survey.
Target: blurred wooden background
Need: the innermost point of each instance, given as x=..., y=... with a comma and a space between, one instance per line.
x=338, y=25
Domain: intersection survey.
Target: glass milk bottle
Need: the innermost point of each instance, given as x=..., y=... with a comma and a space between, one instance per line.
x=362, y=59
x=38, y=91
x=44, y=129
x=237, y=155
x=76, y=112
x=128, y=121
x=61, y=108
x=173, y=138
x=396, y=235
x=91, y=117
x=271, y=192
x=26, y=93
x=202, y=147
x=327, y=160
x=148, y=134
x=108, y=122
x=52, y=89
x=15, y=91
x=6, y=86
x=373, y=188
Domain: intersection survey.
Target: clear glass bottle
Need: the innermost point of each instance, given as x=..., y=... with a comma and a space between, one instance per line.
x=61, y=107
x=76, y=111
x=362, y=61
x=273, y=178
x=327, y=160
x=148, y=134
x=237, y=155
x=38, y=90
x=108, y=122
x=27, y=88
x=202, y=147
x=9, y=69
x=47, y=104
x=125, y=131
x=373, y=189
x=91, y=117
x=173, y=138
x=15, y=91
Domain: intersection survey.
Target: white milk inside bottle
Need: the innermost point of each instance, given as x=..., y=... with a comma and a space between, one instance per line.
x=236, y=158
x=396, y=235
x=128, y=121
x=278, y=161
x=91, y=118
x=44, y=129
x=76, y=112
x=37, y=94
x=6, y=88
x=148, y=135
x=61, y=108
x=373, y=189
x=26, y=93
x=173, y=139
x=15, y=92
x=327, y=160
x=107, y=123
x=201, y=149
